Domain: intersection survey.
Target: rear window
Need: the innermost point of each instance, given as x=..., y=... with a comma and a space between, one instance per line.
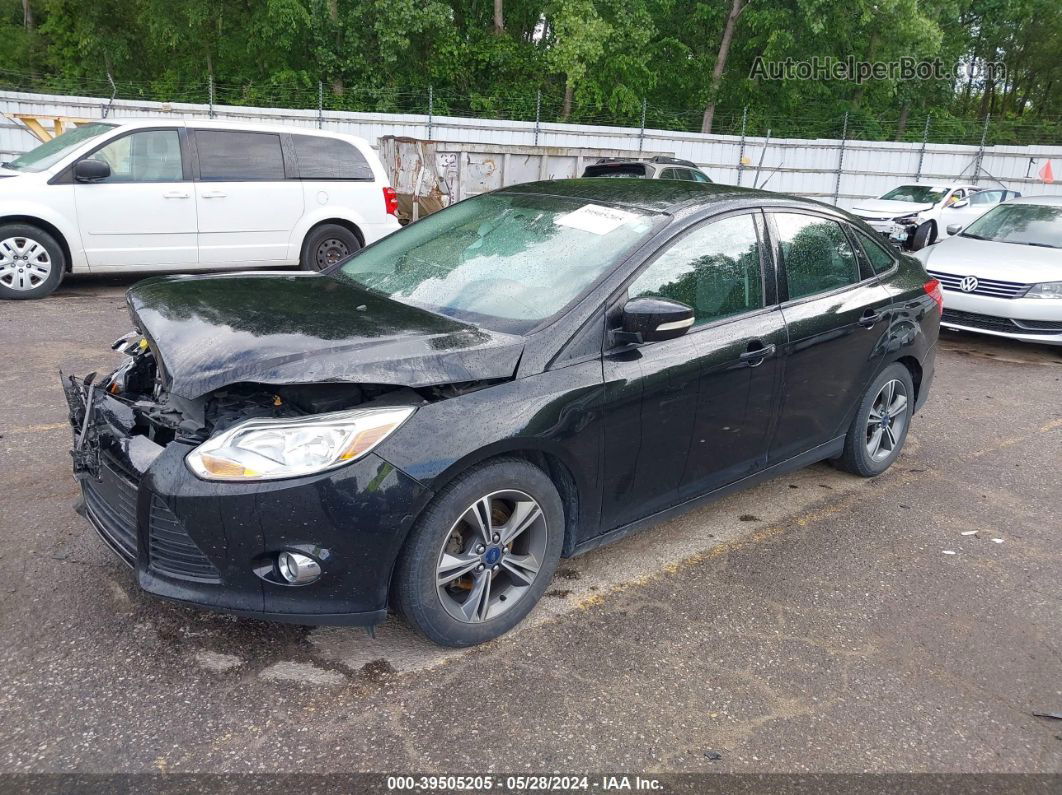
x=615, y=170
x=239, y=156
x=329, y=158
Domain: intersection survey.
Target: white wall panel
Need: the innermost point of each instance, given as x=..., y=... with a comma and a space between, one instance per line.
x=806, y=167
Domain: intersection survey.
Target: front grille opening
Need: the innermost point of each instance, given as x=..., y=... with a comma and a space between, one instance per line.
x=1004, y=324
x=171, y=551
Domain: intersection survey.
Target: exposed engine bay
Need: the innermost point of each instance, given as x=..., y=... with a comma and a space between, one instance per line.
x=163, y=417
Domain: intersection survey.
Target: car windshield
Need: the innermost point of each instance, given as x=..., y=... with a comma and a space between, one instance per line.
x=923, y=194
x=504, y=261
x=51, y=152
x=1027, y=224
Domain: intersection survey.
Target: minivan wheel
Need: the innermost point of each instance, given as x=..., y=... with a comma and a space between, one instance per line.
x=482, y=554
x=326, y=245
x=879, y=428
x=31, y=262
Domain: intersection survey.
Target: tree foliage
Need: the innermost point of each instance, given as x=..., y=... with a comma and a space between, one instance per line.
x=588, y=60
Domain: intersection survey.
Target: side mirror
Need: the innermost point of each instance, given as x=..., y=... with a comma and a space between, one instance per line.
x=91, y=171
x=959, y=204
x=954, y=229
x=654, y=319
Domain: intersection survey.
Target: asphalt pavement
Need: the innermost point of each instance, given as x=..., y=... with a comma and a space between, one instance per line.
x=818, y=622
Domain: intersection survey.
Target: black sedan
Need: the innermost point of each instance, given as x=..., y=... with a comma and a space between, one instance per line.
x=432, y=424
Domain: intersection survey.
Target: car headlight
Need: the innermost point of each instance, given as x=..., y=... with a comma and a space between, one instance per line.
x=268, y=449
x=1045, y=290
x=906, y=219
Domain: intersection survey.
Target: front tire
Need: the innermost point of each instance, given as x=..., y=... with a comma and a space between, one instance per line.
x=880, y=425
x=327, y=245
x=31, y=262
x=482, y=554
x=925, y=235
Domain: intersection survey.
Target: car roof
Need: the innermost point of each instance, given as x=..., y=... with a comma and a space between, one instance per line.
x=1053, y=201
x=212, y=124
x=658, y=195
x=657, y=160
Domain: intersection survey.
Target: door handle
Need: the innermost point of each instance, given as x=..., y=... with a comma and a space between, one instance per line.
x=757, y=352
x=869, y=318
x=175, y=194
x=213, y=194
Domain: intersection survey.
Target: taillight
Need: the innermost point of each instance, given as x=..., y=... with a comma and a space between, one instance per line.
x=391, y=201
x=932, y=287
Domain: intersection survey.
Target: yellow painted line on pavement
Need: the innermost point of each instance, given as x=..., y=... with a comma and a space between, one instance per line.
x=51, y=426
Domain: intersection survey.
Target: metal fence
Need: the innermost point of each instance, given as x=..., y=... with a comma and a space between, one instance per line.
x=839, y=170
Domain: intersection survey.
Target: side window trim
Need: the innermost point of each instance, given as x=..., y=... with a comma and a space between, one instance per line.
x=767, y=290
x=66, y=176
x=776, y=249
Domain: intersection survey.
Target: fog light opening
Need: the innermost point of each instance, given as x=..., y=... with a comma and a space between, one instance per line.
x=297, y=569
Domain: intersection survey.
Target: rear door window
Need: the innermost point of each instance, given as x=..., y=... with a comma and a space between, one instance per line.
x=236, y=156
x=880, y=258
x=329, y=158
x=816, y=254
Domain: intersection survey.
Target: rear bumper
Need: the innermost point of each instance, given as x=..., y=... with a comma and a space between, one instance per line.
x=214, y=545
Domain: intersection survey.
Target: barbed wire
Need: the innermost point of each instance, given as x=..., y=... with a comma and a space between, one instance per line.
x=814, y=121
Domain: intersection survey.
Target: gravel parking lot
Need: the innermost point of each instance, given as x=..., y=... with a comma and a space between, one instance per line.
x=814, y=623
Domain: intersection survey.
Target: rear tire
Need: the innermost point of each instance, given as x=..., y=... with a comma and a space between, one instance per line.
x=327, y=245
x=31, y=262
x=879, y=427
x=460, y=581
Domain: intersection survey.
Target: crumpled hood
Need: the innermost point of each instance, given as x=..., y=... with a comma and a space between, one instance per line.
x=293, y=327
x=881, y=208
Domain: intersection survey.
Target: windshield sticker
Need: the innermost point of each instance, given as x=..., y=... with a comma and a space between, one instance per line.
x=596, y=219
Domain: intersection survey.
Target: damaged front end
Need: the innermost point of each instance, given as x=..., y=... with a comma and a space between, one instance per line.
x=218, y=544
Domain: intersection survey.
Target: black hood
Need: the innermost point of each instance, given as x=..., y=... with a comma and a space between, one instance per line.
x=298, y=328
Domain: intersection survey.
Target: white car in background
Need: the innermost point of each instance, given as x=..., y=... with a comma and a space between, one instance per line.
x=161, y=195
x=959, y=214
x=1002, y=274
x=914, y=216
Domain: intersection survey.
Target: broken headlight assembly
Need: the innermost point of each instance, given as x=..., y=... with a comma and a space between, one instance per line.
x=270, y=449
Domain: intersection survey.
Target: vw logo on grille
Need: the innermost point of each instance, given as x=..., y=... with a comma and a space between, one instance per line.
x=968, y=284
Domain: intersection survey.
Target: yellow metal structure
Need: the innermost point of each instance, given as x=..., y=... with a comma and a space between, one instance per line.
x=45, y=128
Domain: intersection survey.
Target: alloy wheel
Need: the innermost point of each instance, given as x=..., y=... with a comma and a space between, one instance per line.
x=24, y=263
x=491, y=556
x=887, y=420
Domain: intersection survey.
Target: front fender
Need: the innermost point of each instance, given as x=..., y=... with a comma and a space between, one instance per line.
x=28, y=211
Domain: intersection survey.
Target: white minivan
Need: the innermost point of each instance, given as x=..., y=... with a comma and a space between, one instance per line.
x=155, y=195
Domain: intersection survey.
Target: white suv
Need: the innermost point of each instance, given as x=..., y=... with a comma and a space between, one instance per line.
x=186, y=195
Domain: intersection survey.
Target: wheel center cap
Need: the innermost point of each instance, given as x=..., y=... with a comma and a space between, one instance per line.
x=492, y=555
x=885, y=421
